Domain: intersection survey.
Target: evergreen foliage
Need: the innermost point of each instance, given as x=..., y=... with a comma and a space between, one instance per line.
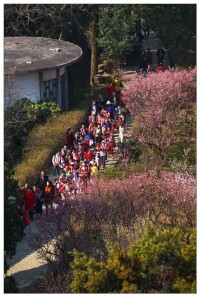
x=116, y=30
x=13, y=224
x=161, y=261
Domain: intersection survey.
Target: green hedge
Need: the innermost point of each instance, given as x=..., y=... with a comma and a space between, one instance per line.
x=44, y=141
x=123, y=170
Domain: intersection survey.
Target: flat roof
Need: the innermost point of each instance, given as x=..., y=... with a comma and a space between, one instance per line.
x=31, y=54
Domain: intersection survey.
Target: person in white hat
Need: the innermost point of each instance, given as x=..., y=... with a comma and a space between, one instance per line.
x=110, y=109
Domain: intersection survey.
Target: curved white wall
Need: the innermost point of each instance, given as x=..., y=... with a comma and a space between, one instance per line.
x=28, y=86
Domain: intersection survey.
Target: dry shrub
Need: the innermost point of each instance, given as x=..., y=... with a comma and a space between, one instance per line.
x=43, y=142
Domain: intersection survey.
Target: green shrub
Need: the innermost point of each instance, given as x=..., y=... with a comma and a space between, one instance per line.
x=149, y=156
x=113, y=171
x=20, y=119
x=134, y=151
x=155, y=263
x=43, y=109
x=176, y=151
x=43, y=142
x=123, y=170
x=13, y=224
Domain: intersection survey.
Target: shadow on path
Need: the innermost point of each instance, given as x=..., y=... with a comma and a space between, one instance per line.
x=24, y=249
x=26, y=277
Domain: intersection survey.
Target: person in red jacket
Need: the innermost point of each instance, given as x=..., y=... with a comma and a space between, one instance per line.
x=111, y=89
x=67, y=134
x=29, y=200
x=88, y=156
x=160, y=68
x=25, y=217
x=111, y=144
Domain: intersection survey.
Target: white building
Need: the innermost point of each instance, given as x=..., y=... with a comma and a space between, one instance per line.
x=38, y=68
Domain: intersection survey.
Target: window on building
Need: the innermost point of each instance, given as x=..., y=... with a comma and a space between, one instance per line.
x=50, y=89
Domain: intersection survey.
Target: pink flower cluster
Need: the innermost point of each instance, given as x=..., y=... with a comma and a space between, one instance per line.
x=148, y=191
x=157, y=102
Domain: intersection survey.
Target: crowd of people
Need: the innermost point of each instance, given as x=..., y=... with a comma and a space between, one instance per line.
x=145, y=59
x=83, y=154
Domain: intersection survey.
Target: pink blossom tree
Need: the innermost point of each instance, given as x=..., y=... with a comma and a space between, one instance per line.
x=116, y=211
x=159, y=104
x=164, y=199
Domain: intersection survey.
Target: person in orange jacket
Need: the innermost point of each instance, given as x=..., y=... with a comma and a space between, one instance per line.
x=48, y=194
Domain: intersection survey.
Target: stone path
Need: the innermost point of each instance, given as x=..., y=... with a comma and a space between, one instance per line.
x=25, y=265
x=153, y=43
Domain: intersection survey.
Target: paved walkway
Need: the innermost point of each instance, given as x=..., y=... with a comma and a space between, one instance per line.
x=25, y=265
x=153, y=43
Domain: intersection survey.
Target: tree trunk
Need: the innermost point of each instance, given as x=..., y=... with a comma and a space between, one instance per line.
x=94, y=51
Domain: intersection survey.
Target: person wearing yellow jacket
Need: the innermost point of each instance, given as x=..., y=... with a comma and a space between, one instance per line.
x=94, y=170
x=117, y=84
